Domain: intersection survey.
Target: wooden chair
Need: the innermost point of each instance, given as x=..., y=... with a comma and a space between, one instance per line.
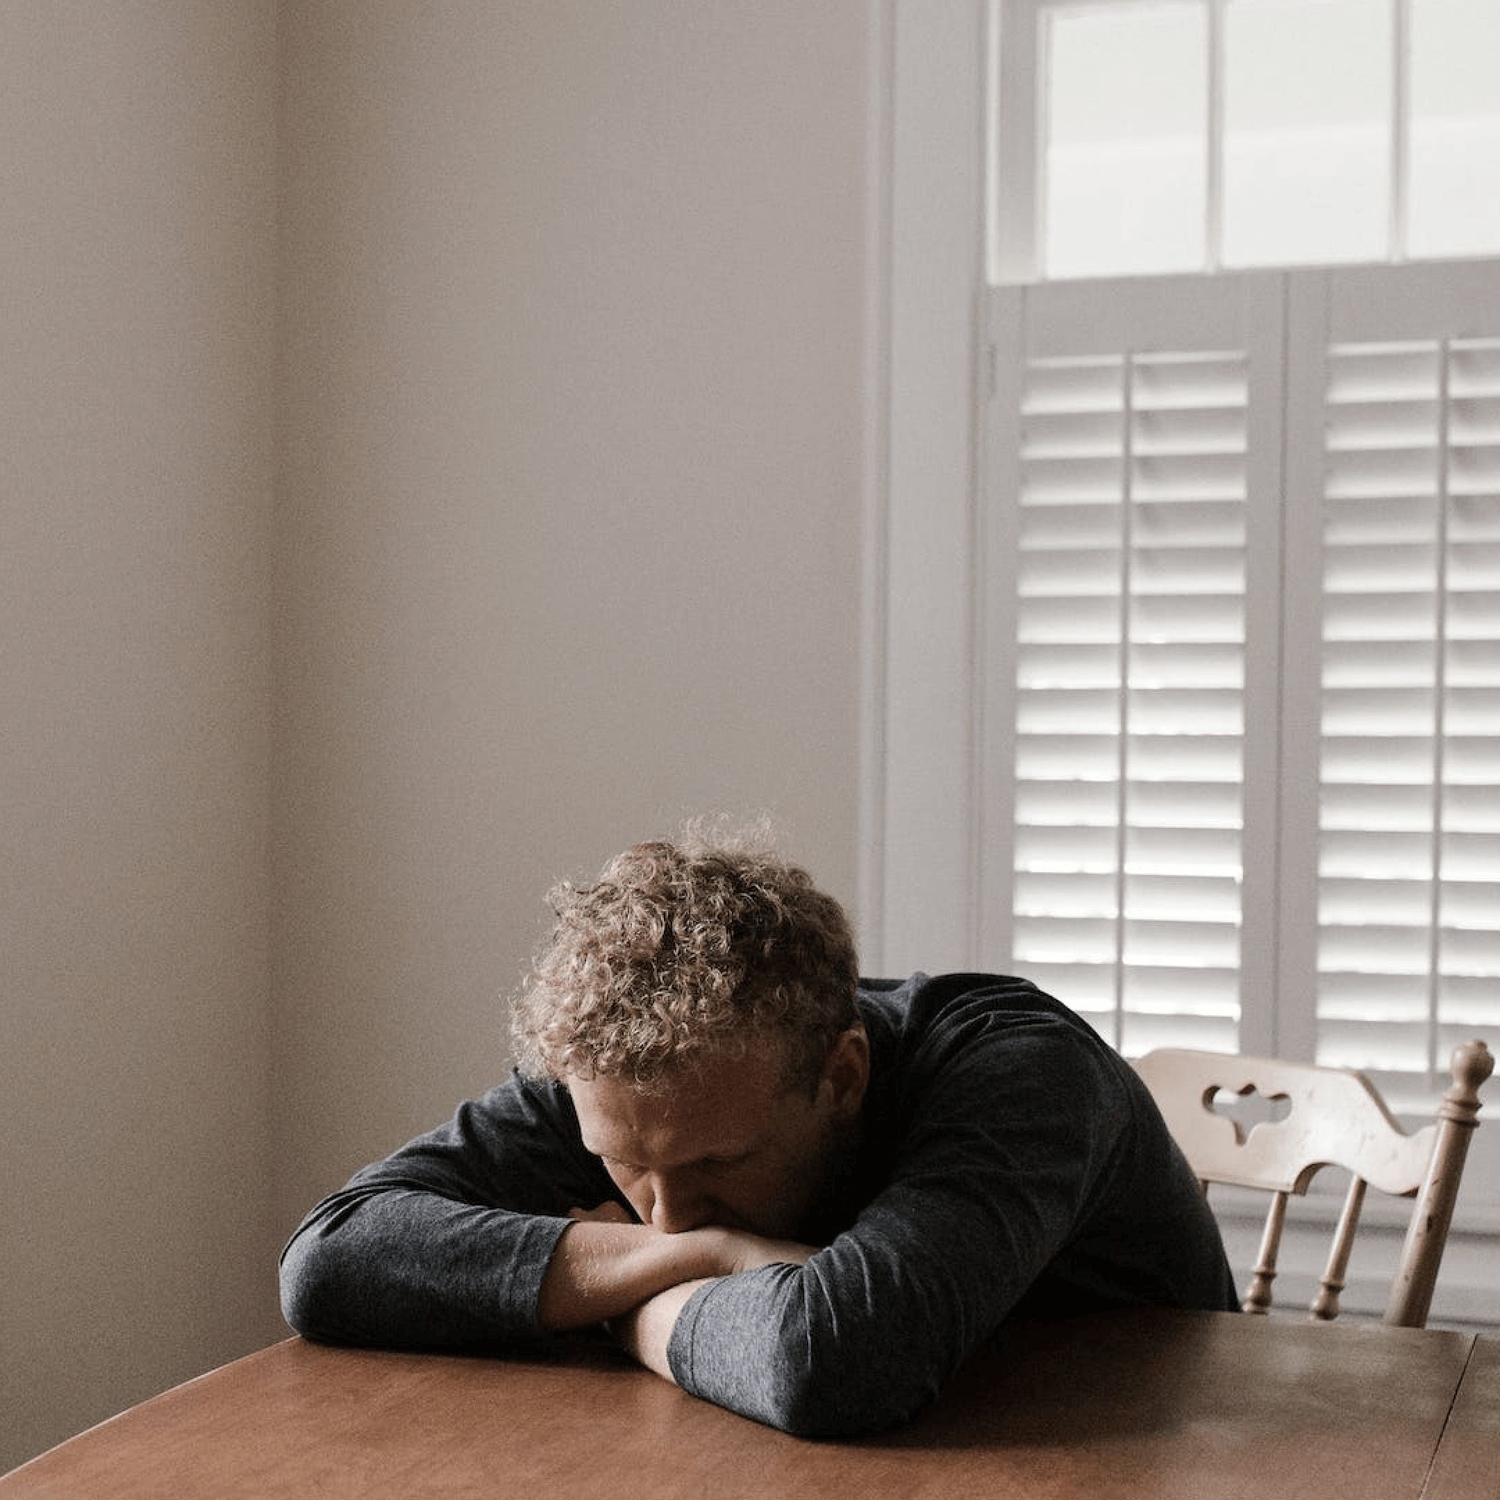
x=1335, y=1118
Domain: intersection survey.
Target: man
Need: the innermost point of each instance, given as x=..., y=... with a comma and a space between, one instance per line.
x=798, y=1196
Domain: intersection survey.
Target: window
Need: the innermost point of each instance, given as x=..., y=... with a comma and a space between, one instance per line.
x=1247, y=524
x=1185, y=658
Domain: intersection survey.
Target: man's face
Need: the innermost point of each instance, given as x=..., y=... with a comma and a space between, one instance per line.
x=728, y=1144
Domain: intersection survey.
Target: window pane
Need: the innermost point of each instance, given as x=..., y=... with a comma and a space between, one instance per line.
x=1126, y=140
x=1307, y=131
x=1454, y=143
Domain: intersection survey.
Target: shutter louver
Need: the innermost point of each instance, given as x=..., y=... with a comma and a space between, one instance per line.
x=1130, y=680
x=1409, y=824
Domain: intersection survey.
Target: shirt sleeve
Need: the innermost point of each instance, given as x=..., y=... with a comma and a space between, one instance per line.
x=444, y=1244
x=998, y=1170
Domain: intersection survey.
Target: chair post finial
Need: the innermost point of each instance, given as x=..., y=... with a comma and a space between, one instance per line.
x=1470, y=1065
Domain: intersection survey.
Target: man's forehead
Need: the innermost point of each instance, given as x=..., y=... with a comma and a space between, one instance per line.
x=667, y=1140
x=754, y=1067
x=713, y=1111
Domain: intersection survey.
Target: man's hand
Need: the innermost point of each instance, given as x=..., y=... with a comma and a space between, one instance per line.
x=607, y=1266
x=733, y=1250
x=739, y=1250
x=645, y=1331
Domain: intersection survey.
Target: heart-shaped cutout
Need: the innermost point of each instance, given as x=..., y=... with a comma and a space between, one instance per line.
x=1248, y=1108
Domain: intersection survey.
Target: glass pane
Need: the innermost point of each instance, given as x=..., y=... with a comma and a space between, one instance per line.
x=1126, y=149
x=1307, y=131
x=1454, y=143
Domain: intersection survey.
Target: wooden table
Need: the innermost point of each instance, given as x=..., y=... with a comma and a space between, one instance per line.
x=1145, y=1404
x=1468, y=1458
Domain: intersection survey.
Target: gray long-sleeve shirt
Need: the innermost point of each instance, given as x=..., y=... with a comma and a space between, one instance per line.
x=1010, y=1165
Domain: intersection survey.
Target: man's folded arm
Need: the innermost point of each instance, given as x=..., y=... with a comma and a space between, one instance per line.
x=446, y=1243
x=415, y=1269
x=847, y=1339
x=860, y=1337
x=409, y=1254
x=607, y=1266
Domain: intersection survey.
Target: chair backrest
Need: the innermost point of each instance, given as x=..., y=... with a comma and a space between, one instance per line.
x=1332, y=1117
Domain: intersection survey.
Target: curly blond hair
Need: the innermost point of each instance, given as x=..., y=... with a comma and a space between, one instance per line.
x=683, y=952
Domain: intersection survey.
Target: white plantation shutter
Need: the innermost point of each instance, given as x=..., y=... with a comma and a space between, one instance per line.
x=1406, y=559
x=1130, y=672
x=1410, y=806
x=1242, y=680
x=1123, y=562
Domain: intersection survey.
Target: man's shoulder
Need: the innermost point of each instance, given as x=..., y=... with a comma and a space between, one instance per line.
x=930, y=1031
x=922, y=1002
x=985, y=1057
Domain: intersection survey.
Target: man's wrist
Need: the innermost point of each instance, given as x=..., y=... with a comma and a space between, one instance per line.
x=602, y=1268
x=646, y=1331
x=600, y=1271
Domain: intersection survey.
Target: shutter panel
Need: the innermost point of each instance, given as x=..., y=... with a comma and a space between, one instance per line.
x=1408, y=952
x=1127, y=569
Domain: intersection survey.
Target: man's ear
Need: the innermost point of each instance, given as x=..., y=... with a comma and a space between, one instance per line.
x=846, y=1073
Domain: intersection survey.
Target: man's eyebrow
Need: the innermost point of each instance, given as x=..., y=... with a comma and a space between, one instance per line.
x=729, y=1155
x=604, y=1155
x=725, y=1155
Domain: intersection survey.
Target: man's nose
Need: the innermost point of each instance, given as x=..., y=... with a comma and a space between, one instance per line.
x=676, y=1205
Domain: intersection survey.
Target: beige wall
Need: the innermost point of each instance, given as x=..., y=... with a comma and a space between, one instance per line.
x=569, y=517
x=136, y=259
x=562, y=543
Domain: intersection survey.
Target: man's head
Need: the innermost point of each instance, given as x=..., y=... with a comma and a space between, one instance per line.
x=698, y=1000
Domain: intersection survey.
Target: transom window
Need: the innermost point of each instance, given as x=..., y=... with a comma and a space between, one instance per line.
x=1155, y=136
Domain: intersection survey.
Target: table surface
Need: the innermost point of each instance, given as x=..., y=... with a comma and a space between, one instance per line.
x=1468, y=1459
x=1142, y=1403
